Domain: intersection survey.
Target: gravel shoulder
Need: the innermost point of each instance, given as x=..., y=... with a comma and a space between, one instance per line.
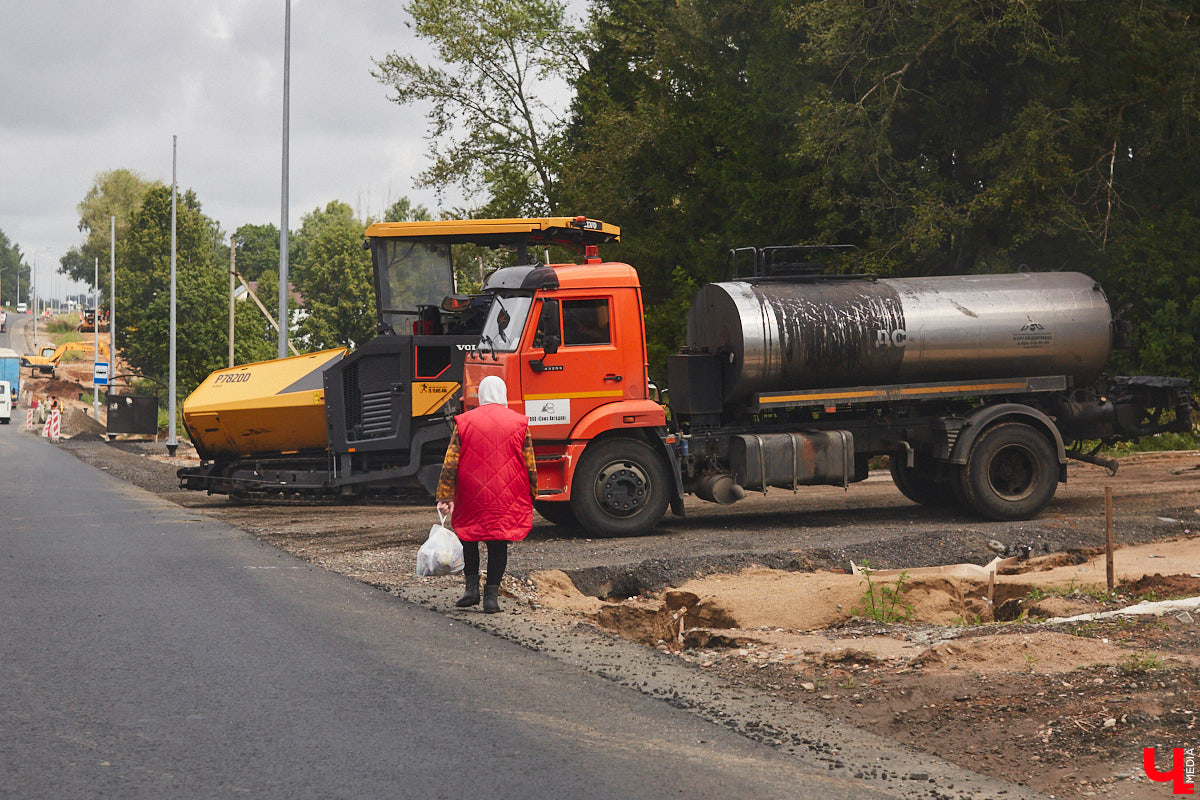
x=684, y=614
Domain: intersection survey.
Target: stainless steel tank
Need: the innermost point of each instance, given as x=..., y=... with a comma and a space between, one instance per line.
x=777, y=335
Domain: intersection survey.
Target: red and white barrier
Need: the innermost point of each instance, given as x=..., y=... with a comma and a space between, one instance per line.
x=53, y=429
x=29, y=415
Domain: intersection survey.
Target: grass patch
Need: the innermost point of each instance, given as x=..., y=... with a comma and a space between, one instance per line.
x=1140, y=662
x=882, y=602
x=1150, y=444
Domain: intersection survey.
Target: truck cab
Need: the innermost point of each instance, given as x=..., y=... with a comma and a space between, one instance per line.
x=569, y=342
x=5, y=403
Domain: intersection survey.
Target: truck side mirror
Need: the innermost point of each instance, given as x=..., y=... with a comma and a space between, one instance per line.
x=551, y=345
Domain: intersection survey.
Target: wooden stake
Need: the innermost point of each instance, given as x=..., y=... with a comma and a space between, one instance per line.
x=1108, y=535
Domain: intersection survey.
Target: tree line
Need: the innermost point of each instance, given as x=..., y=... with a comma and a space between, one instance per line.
x=941, y=137
x=328, y=268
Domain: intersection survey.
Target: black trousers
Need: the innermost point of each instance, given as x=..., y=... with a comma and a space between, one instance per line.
x=497, y=560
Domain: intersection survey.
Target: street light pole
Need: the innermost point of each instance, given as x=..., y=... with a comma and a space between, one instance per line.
x=96, y=340
x=283, y=227
x=33, y=299
x=112, y=301
x=232, y=273
x=172, y=442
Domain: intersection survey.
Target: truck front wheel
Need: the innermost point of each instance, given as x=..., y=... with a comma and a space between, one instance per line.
x=621, y=487
x=1012, y=472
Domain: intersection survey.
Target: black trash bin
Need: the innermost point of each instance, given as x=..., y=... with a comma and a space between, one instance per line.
x=132, y=413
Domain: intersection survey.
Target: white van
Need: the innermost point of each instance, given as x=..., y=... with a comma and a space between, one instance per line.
x=22, y=308
x=5, y=403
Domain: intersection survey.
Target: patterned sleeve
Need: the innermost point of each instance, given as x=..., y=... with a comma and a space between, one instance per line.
x=531, y=464
x=449, y=479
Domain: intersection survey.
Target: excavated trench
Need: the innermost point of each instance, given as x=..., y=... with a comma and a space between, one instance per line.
x=723, y=601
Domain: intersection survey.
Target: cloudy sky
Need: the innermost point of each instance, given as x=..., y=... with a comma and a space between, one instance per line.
x=87, y=87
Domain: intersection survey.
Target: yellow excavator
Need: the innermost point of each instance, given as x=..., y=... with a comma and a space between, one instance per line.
x=47, y=360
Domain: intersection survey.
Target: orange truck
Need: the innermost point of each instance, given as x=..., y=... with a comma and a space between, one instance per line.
x=978, y=387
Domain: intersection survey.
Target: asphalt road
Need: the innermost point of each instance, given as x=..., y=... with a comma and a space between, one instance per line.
x=146, y=651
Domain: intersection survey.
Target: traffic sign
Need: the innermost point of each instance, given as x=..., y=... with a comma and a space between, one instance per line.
x=100, y=373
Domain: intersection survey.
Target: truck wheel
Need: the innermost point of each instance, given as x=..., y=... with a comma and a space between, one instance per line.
x=621, y=487
x=560, y=514
x=918, y=483
x=1012, y=472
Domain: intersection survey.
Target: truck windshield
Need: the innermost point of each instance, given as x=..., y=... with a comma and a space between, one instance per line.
x=506, y=320
x=409, y=274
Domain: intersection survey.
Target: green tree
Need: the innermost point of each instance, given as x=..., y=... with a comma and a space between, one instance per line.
x=492, y=129
x=118, y=193
x=955, y=136
x=143, y=291
x=983, y=135
x=13, y=269
x=403, y=210
x=333, y=273
x=680, y=135
x=256, y=339
x=258, y=250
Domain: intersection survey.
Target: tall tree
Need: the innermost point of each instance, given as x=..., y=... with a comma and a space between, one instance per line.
x=679, y=135
x=403, y=210
x=984, y=135
x=257, y=250
x=950, y=136
x=143, y=291
x=492, y=128
x=333, y=273
x=118, y=193
x=14, y=272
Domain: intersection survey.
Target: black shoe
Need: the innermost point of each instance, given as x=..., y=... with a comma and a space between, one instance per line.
x=491, y=599
x=471, y=595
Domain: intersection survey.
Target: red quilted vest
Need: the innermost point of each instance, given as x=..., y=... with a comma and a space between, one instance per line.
x=491, y=497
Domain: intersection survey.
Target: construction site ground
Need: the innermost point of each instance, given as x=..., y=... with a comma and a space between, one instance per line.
x=751, y=615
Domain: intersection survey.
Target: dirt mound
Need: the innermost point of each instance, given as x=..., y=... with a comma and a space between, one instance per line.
x=1045, y=652
x=1161, y=587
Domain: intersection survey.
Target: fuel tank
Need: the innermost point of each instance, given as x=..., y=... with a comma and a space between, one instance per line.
x=266, y=408
x=818, y=332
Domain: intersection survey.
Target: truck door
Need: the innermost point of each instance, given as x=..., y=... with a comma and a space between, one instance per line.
x=576, y=364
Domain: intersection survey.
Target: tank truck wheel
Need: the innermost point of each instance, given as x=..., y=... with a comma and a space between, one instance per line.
x=621, y=487
x=560, y=514
x=918, y=484
x=1012, y=472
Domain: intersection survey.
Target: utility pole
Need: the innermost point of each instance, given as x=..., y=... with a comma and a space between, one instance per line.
x=172, y=442
x=112, y=301
x=96, y=341
x=283, y=227
x=232, y=274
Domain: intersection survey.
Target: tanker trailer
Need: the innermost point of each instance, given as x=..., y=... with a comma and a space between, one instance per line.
x=377, y=419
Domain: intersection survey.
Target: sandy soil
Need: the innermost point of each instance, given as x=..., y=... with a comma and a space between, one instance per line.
x=763, y=595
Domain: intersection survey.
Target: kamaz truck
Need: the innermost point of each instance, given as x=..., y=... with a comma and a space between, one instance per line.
x=978, y=388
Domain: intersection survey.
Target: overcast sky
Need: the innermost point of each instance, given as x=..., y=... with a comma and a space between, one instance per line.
x=87, y=87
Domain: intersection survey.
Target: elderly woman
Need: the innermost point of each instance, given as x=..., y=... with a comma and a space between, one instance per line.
x=488, y=483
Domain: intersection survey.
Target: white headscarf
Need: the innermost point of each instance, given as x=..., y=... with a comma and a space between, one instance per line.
x=492, y=389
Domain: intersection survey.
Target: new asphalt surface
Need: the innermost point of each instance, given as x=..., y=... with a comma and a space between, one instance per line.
x=147, y=651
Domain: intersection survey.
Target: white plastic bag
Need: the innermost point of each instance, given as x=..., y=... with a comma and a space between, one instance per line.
x=442, y=553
